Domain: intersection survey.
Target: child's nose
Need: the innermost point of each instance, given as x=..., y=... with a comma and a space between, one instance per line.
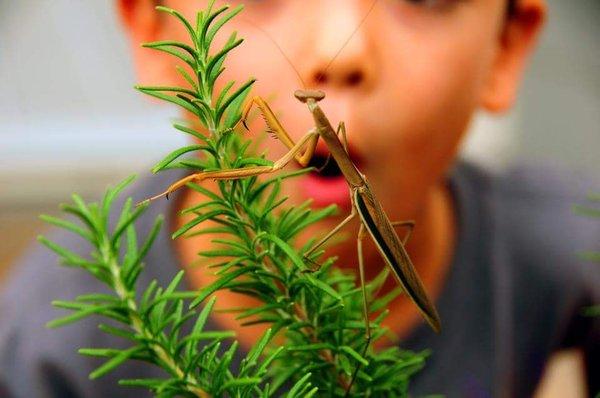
x=343, y=54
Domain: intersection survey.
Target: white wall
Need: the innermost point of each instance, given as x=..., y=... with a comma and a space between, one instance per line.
x=560, y=101
x=68, y=113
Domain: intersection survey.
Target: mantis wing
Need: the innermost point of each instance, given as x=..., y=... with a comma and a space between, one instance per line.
x=381, y=230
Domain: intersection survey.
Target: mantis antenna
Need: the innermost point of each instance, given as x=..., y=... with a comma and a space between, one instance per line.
x=270, y=37
x=362, y=21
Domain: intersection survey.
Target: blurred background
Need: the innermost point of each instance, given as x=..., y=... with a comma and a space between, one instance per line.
x=69, y=117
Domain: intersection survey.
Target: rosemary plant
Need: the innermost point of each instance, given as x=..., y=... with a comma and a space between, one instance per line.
x=593, y=256
x=317, y=315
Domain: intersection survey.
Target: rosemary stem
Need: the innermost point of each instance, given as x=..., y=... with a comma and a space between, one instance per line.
x=138, y=325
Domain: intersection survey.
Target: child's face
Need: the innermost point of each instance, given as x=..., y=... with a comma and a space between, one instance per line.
x=406, y=83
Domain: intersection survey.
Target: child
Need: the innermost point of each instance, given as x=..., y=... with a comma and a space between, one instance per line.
x=496, y=254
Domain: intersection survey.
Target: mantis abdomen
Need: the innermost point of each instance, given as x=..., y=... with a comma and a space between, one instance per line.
x=381, y=230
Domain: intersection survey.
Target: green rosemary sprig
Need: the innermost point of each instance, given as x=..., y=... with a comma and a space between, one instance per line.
x=593, y=256
x=318, y=315
x=154, y=320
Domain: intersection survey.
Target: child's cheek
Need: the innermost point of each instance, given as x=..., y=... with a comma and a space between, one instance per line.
x=430, y=84
x=436, y=81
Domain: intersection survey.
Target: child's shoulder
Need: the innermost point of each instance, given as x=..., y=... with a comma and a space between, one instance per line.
x=535, y=232
x=518, y=270
x=34, y=358
x=535, y=207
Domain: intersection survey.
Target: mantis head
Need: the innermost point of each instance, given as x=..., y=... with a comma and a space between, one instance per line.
x=305, y=95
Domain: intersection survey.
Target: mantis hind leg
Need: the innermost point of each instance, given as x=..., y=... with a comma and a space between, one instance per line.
x=361, y=271
x=410, y=224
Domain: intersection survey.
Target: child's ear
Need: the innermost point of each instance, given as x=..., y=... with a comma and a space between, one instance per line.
x=516, y=42
x=143, y=24
x=140, y=19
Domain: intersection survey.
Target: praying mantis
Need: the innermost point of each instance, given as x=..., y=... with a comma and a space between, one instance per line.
x=364, y=203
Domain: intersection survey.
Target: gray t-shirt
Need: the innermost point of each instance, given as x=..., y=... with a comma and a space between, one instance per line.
x=513, y=296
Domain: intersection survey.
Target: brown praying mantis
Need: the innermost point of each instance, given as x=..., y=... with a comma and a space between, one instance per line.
x=373, y=219
x=364, y=203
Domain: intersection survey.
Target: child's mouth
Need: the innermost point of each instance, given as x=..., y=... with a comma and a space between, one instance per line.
x=325, y=166
x=326, y=185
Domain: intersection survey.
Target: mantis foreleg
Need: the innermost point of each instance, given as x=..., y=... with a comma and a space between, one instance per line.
x=276, y=128
x=230, y=174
